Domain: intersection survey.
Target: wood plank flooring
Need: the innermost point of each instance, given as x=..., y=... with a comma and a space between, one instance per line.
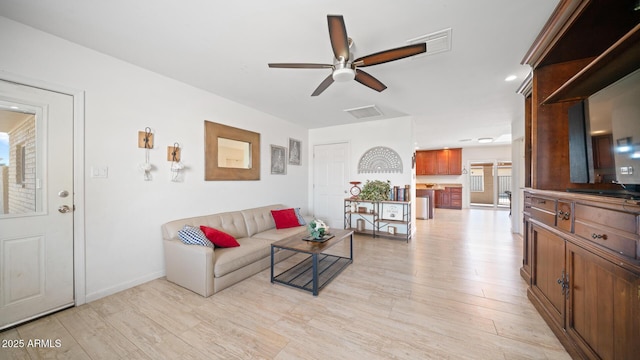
x=452, y=292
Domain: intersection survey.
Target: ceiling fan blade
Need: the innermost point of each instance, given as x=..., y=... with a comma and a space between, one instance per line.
x=300, y=66
x=368, y=80
x=391, y=55
x=338, y=36
x=323, y=85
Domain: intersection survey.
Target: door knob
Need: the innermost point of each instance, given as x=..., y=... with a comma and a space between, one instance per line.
x=64, y=209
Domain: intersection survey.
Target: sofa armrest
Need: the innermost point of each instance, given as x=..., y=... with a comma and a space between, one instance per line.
x=190, y=266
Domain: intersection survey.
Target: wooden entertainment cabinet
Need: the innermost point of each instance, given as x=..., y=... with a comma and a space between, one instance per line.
x=581, y=254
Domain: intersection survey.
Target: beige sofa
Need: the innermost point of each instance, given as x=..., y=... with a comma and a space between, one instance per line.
x=205, y=270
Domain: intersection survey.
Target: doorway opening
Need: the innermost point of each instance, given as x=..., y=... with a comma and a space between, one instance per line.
x=490, y=184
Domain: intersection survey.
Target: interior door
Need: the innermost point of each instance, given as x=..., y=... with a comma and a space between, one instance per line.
x=36, y=220
x=330, y=183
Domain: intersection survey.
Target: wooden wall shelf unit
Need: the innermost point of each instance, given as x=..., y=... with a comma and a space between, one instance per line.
x=581, y=253
x=379, y=217
x=439, y=162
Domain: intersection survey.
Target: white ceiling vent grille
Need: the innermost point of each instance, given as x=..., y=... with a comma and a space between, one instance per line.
x=364, y=112
x=437, y=42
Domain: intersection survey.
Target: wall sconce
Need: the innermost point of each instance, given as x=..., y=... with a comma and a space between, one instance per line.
x=145, y=138
x=173, y=155
x=145, y=141
x=464, y=169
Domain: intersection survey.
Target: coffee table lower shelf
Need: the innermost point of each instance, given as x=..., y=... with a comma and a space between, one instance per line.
x=301, y=275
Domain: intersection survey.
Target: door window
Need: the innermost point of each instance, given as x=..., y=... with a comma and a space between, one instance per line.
x=20, y=163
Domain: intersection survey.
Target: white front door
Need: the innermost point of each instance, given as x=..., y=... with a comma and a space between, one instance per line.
x=330, y=183
x=36, y=220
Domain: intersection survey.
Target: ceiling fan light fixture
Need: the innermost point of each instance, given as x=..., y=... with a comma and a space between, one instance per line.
x=344, y=75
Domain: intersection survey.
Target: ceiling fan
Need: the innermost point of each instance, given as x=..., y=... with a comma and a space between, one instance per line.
x=343, y=67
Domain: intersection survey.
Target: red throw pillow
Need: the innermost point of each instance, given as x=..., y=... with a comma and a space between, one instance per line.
x=219, y=238
x=285, y=218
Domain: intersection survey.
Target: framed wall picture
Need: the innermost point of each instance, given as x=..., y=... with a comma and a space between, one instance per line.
x=230, y=153
x=391, y=212
x=295, y=152
x=278, y=160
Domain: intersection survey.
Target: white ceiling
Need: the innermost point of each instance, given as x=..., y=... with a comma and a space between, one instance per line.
x=224, y=47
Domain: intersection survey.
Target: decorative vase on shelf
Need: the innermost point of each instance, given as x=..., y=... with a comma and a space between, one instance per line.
x=317, y=229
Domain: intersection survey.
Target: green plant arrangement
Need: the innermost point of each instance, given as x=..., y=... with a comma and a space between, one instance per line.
x=317, y=228
x=376, y=190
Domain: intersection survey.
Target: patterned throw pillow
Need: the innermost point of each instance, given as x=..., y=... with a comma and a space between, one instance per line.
x=219, y=238
x=193, y=236
x=300, y=218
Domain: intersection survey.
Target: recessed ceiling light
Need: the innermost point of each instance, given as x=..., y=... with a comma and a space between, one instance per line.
x=485, y=140
x=510, y=78
x=464, y=140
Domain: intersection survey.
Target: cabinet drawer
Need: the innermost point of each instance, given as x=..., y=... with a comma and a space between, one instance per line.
x=543, y=203
x=619, y=243
x=611, y=218
x=543, y=216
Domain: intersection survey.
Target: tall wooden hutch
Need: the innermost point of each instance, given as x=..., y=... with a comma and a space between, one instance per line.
x=581, y=254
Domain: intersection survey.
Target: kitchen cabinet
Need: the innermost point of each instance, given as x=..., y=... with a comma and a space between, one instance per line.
x=439, y=162
x=426, y=163
x=449, y=198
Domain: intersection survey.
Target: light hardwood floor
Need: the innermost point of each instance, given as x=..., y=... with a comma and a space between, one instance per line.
x=452, y=292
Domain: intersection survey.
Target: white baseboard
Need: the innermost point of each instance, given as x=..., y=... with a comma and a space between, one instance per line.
x=124, y=286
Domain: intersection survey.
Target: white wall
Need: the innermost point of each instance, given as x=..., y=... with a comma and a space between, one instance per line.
x=123, y=212
x=396, y=134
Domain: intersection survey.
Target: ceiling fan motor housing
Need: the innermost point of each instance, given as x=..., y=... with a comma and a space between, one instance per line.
x=343, y=72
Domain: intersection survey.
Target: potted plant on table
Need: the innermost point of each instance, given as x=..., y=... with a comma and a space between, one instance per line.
x=376, y=190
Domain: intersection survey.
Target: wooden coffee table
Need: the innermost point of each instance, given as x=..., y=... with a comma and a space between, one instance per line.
x=318, y=269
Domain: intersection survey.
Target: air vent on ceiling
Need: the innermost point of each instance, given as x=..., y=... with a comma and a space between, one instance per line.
x=437, y=42
x=364, y=112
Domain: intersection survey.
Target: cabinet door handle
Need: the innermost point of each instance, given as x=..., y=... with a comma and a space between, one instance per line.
x=599, y=236
x=563, y=281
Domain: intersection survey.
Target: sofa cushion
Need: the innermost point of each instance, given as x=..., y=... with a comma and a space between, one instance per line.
x=219, y=238
x=250, y=250
x=193, y=236
x=279, y=234
x=259, y=219
x=230, y=222
x=285, y=218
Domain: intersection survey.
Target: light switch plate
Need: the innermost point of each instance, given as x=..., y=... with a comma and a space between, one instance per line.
x=100, y=172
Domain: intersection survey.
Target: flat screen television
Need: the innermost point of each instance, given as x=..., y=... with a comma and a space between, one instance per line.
x=604, y=135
